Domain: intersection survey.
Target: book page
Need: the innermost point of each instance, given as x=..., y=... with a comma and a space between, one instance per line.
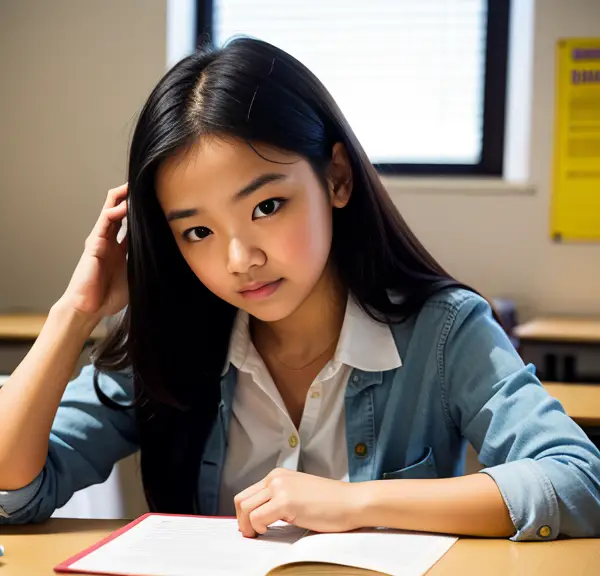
x=162, y=545
x=392, y=552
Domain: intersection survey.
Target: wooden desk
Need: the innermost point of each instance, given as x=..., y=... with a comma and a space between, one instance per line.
x=19, y=331
x=580, y=401
x=35, y=550
x=27, y=327
x=560, y=330
x=559, y=339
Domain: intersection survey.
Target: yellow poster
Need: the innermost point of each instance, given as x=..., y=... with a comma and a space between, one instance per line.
x=576, y=171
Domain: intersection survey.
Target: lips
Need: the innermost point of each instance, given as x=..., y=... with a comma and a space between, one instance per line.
x=255, y=286
x=260, y=290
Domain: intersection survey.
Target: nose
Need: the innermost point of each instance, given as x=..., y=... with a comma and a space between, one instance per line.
x=241, y=256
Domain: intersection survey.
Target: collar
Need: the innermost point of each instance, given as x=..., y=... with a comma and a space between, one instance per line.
x=364, y=343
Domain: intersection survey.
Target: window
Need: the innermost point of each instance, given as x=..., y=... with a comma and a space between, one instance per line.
x=422, y=82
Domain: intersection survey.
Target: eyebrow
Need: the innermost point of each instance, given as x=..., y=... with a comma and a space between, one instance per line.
x=246, y=191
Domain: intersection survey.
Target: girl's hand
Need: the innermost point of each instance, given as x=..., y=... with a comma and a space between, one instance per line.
x=307, y=501
x=98, y=287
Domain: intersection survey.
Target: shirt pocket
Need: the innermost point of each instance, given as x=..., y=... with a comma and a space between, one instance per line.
x=423, y=468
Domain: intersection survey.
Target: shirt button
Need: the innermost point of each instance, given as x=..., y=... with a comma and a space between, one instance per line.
x=544, y=531
x=293, y=441
x=315, y=394
x=355, y=378
x=361, y=449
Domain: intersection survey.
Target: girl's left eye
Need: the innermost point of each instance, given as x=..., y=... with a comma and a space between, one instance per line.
x=267, y=208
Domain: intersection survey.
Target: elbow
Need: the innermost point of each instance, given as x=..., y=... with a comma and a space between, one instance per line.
x=28, y=516
x=31, y=504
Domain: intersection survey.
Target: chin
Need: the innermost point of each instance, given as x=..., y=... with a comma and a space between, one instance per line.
x=274, y=309
x=271, y=313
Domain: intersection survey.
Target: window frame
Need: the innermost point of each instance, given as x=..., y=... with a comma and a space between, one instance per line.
x=494, y=97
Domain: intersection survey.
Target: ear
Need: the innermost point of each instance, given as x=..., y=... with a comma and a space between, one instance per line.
x=340, y=176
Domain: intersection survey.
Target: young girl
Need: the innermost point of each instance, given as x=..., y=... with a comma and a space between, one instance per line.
x=288, y=349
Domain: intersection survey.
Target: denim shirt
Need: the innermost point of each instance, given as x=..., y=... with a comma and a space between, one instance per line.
x=461, y=380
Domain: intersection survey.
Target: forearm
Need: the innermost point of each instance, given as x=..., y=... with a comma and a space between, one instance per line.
x=468, y=505
x=30, y=398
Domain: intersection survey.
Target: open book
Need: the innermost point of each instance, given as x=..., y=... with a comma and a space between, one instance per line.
x=170, y=545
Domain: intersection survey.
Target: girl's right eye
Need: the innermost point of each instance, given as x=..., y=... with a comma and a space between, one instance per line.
x=196, y=234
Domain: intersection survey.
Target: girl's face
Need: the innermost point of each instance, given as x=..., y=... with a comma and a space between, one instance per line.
x=256, y=233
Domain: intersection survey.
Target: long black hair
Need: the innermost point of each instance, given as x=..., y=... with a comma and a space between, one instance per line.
x=174, y=334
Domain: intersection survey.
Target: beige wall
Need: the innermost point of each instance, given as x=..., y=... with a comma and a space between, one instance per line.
x=499, y=243
x=74, y=75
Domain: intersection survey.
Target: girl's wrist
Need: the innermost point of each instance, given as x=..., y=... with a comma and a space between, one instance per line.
x=81, y=323
x=363, y=498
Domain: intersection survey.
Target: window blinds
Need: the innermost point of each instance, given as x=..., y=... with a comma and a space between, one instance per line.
x=408, y=74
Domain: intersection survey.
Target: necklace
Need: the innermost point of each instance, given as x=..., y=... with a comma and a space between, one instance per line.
x=311, y=362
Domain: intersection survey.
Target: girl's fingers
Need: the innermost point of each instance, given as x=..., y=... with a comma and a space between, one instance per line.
x=247, y=507
x=265, y=515
x=115, y=195
x=109, y=217
x=247, y=493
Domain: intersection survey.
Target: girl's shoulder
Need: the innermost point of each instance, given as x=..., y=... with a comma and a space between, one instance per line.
x=448, y=301
x=453, y=300
x=441, y=314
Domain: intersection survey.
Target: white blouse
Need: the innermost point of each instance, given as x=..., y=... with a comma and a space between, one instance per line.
x=262, y=435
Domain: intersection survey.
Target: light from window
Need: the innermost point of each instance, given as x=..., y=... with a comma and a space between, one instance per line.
x=408, y=74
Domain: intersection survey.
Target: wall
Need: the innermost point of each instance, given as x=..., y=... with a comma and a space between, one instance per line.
x=63, y=144
x=74, y=75
x=499, y=242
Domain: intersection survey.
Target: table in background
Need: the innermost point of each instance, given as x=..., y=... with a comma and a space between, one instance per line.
x=27, y=327
x=19, y=331
x=580, y=401
x=567, y=333
x=35, y=550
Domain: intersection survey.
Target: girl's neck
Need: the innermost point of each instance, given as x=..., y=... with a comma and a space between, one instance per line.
x=314, y=327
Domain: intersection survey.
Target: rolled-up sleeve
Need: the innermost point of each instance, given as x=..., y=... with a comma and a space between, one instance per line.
x=544, y=465
x=87, y=438
x=13, y=500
